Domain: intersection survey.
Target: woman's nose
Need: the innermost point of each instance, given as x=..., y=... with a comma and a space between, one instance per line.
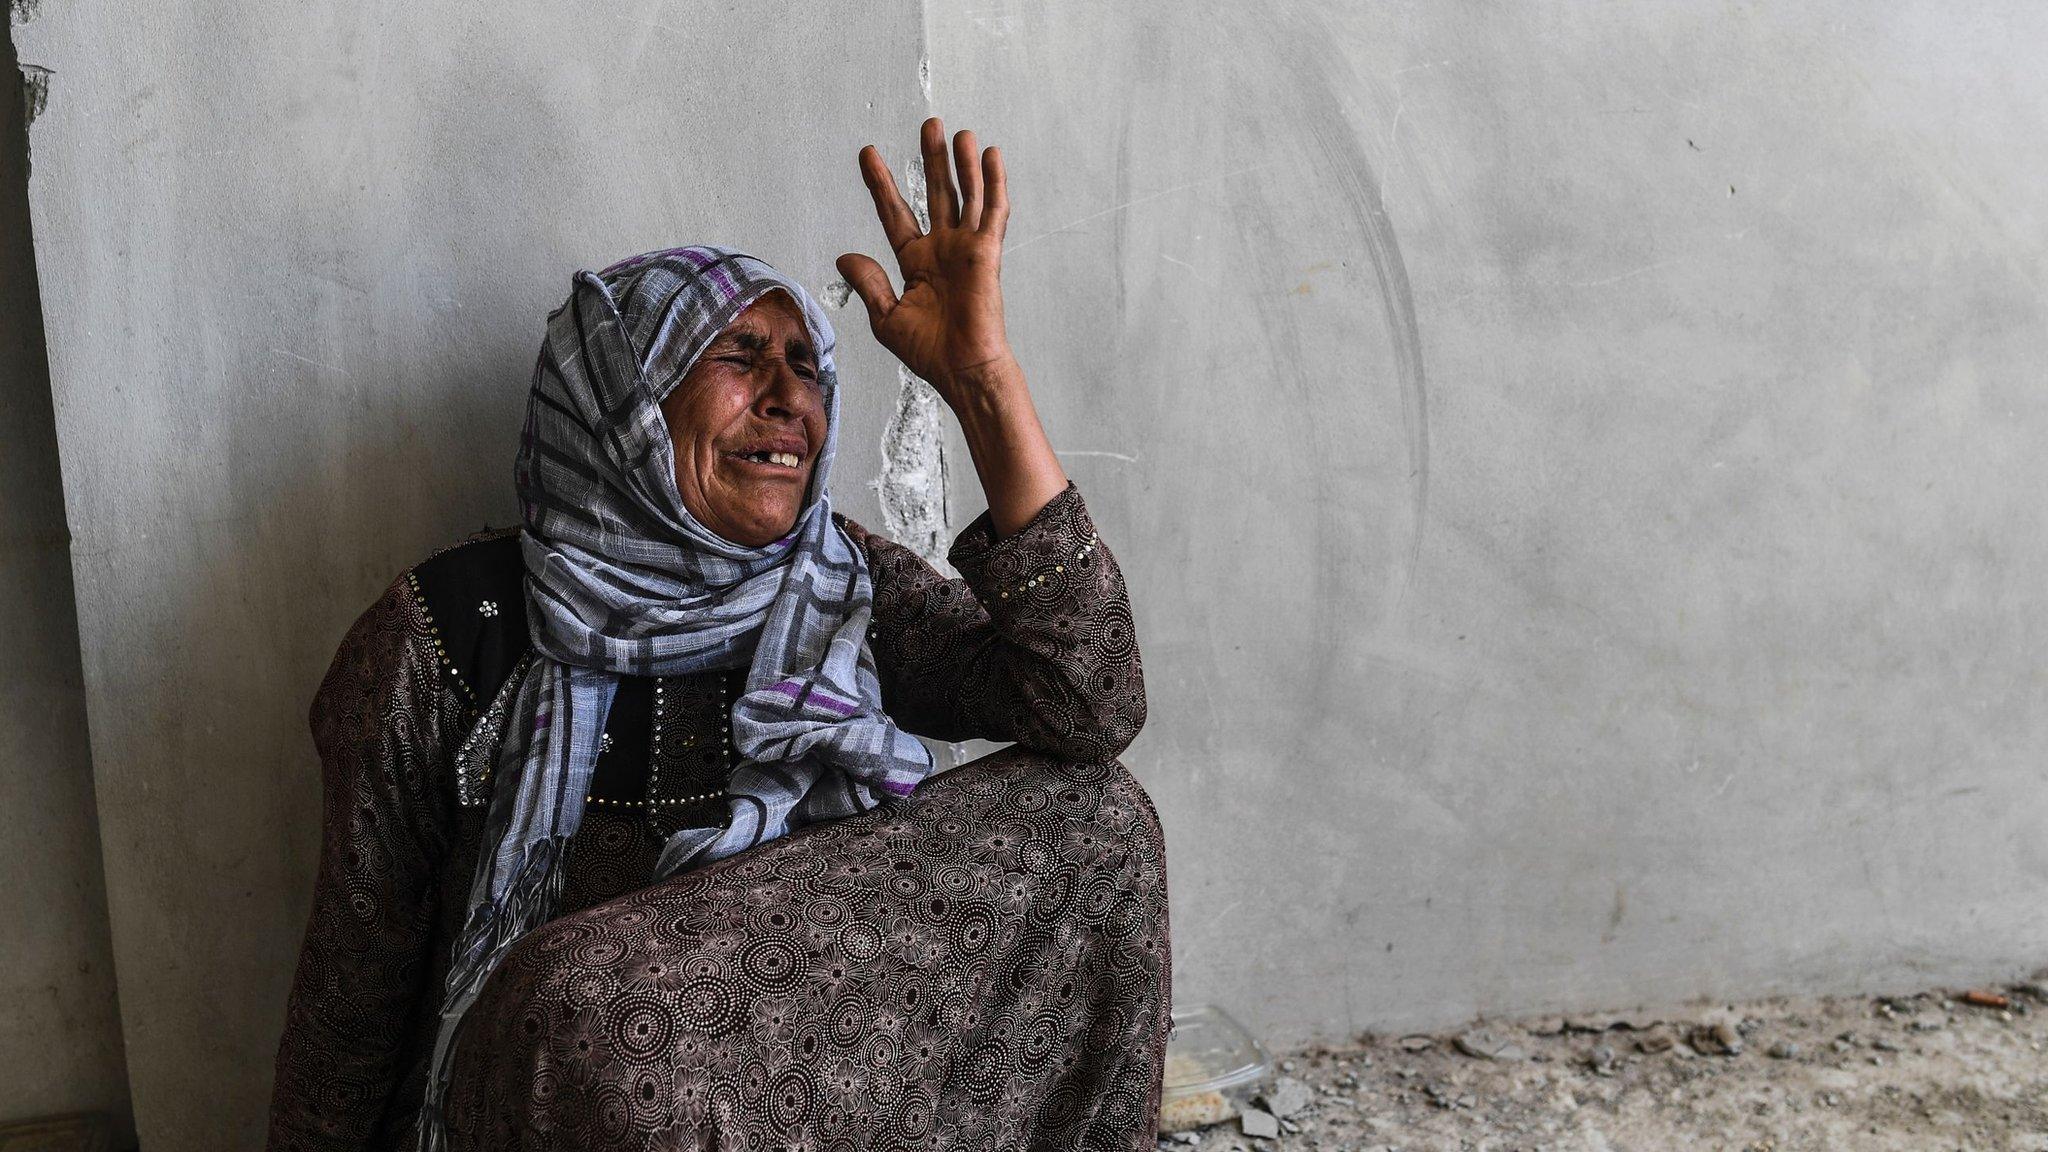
x=785, y=386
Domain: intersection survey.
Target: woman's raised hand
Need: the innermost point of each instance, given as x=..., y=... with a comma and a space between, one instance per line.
x=947, y=326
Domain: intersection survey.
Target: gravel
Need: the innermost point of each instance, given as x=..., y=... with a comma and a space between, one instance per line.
x=1895, y=1074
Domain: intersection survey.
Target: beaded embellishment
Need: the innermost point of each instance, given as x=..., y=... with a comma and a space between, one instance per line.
x=1080, y=554
x=474, y=759
x=440, y=649
x=669, y=739
x=650, y=802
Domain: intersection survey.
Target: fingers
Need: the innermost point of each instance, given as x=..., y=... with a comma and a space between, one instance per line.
x=899, y=224
x=938, y=176
x=982, y=202
x=870, y=283
x=966, y=162
x=995, y=194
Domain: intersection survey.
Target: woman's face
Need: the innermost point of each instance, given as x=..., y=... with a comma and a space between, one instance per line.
x=748, y=421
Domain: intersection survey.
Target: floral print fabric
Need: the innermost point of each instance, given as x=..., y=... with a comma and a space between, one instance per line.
x=1053, y=665
x=982, y=966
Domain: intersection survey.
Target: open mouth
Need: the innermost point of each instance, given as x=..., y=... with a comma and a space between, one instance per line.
x=789, y=460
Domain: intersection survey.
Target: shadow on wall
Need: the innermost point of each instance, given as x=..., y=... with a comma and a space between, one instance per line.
x=417, y=465
x=309, y=545
x=60, y=1030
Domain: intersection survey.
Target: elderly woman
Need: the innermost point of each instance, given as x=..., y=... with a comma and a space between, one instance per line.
x=628, y=842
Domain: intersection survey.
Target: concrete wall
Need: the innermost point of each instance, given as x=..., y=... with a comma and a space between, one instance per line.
x=60, y=1032
x=1576, y=464
x=1580, y=471
x=296, y=264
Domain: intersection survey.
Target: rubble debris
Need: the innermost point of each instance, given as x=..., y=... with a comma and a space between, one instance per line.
x=1718, y=1038
x=1981, y=998
x=1441, y=1097
x=1606, y=1022
x=1286, y=1097
x=1258, y=1122
x=1897, y=1074
x=1486, y=1044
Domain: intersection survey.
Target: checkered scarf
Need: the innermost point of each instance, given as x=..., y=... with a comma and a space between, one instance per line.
x=622, y=581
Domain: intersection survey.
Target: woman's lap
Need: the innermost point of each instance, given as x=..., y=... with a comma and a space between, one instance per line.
x=984, y=966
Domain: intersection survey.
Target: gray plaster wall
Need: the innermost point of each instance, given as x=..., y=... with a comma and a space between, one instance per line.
x=60, y=1031
x=1579, y=471
x=1575, y=464
x=296, y=262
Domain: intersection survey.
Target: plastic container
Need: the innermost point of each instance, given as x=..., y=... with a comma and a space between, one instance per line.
x=1214, y=1067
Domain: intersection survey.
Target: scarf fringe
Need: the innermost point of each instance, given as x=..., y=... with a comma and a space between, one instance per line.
x=489, y=933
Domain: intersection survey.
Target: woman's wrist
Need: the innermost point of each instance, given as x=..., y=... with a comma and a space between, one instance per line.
x=987, y=394
x=1019, y=472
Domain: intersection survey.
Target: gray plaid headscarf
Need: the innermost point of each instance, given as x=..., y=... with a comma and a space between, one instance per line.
x=622, y=581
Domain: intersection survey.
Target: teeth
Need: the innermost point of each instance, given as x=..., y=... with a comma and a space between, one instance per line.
x=786, y=459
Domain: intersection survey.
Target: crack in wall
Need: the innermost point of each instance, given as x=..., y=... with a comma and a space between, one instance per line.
x=35, y=91
x=914, y=190
x=912, y=485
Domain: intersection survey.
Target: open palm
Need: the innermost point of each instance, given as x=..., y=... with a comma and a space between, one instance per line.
x=948, y=322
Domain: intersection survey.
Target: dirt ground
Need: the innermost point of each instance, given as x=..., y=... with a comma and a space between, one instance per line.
x=1923, y=1073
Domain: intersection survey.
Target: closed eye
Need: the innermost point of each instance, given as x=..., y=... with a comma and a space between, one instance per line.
x=803, y=370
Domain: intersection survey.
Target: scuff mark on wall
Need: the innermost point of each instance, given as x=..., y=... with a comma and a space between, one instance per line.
x=1360, y=191
x=912, y=485
x=24, y=11
x=1397, y=301
x=35, y=91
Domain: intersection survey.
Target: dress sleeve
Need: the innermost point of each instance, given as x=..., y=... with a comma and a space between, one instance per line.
x=380, y=728
x=1034, y=645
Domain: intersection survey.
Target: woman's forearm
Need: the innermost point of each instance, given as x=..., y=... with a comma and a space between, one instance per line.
x=1019, y=472
x=951, y=313
x=1033, y=642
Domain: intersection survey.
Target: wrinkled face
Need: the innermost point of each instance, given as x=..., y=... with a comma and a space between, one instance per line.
x=747, y=422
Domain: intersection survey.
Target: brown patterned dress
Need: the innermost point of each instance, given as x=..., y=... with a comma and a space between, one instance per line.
x=983, y=965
